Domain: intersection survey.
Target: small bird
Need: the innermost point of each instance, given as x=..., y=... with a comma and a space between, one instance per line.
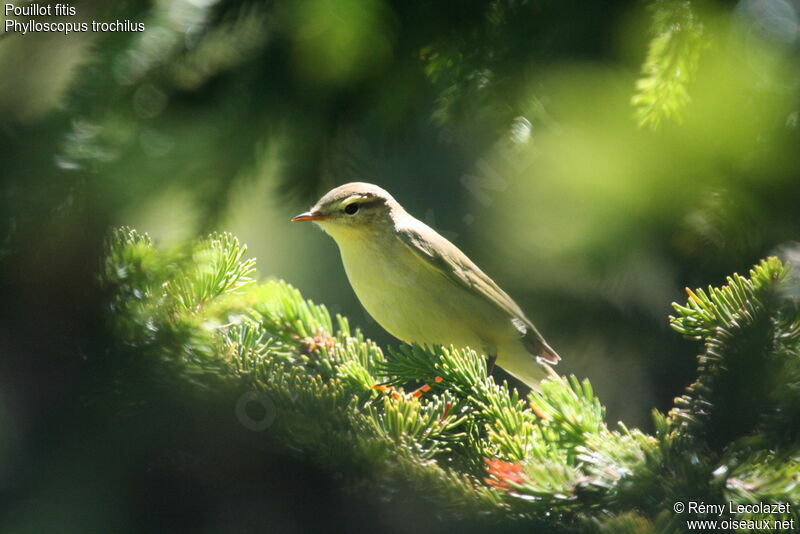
x=421, y=288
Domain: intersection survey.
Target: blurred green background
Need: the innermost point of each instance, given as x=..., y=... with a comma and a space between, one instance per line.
x=593, y=157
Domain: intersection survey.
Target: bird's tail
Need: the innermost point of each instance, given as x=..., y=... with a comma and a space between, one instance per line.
x=522, y=365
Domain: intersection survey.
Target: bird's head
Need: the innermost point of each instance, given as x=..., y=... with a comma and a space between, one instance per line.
x=354, y=209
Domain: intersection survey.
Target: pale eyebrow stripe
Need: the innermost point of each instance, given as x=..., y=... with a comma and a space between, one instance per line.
x=362, y=202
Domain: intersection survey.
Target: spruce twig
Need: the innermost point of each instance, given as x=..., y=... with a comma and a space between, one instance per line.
x=471, y=445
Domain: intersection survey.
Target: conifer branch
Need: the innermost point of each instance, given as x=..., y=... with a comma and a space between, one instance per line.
x=473, y=446
x=662, y=92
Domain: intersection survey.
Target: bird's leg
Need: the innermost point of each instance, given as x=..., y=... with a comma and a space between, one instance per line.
x=490, y=361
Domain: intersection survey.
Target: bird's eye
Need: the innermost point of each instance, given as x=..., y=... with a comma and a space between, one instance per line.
x=350, y=209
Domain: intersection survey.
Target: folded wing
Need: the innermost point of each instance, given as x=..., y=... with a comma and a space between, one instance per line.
x=454, y=265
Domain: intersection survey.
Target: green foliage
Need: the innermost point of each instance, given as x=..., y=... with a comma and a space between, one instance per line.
x=217, y=268
x=473, y=446
x=750, y=338
x=672, y=58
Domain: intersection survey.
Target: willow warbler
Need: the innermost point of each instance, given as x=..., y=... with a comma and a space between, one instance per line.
x=421, y=288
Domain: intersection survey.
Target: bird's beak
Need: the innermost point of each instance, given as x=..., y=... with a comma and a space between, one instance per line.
x=308, y=216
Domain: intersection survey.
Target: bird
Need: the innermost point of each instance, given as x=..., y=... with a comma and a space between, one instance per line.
x=421, y=288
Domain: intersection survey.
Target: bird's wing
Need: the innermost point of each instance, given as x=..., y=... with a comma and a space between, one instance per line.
x=444, y=257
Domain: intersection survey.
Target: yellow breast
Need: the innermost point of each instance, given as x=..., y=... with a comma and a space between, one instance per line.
x=410, y=300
